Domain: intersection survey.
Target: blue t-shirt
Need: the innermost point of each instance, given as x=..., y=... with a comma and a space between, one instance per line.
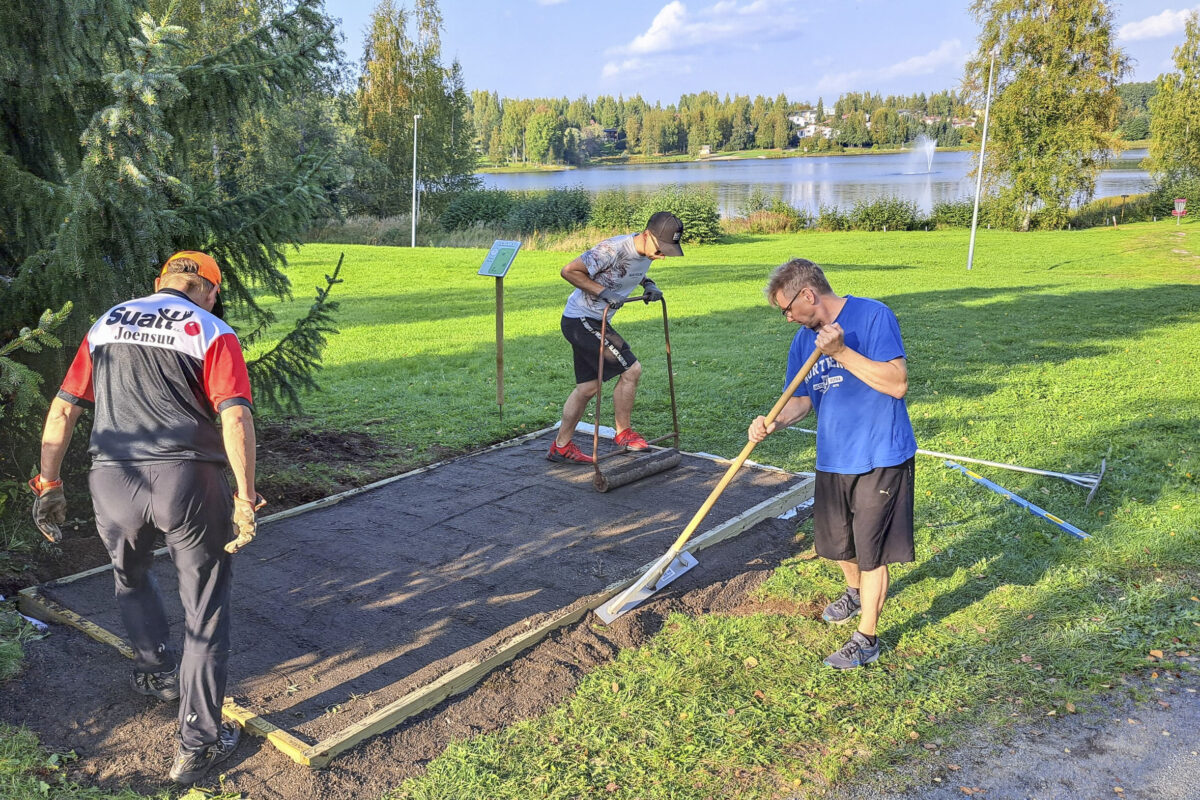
x=858, y=428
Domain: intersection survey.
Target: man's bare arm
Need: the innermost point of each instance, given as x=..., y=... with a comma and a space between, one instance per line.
x=237, y=429
x=56, y=436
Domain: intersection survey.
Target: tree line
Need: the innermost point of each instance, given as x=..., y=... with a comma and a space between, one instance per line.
x=558, y=130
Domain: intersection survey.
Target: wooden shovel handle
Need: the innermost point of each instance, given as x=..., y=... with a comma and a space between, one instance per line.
x=742, y=456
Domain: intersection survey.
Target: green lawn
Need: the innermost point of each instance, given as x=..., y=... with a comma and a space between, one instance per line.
x=1055, y=349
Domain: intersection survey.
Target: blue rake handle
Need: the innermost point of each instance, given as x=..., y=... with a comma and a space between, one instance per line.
x=1021, y=501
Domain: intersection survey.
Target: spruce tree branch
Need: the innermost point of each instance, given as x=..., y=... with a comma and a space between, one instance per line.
x=279, y=374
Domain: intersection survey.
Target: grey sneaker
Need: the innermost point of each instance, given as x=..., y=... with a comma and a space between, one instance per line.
x=842, y=610
x=163, y=685
x=191, y=765
x=855, y=653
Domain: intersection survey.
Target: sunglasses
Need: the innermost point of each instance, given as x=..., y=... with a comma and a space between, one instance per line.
x=788, y=307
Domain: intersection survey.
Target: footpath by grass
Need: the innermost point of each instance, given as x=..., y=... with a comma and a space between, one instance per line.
x=1054, y=349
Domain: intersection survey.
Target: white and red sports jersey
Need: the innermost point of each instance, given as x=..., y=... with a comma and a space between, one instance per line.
x=158, y=370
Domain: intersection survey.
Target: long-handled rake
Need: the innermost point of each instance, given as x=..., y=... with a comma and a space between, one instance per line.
x=646, y=465
x=673, y=563
x=1088, y=480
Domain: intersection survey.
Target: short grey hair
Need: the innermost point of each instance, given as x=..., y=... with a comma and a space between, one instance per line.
x=797, y=274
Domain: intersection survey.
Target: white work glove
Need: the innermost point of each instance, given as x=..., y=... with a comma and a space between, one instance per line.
x=245, y=524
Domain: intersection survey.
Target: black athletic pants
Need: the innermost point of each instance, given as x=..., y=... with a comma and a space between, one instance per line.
x=190, y=502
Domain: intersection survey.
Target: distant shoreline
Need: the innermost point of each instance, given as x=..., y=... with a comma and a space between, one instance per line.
x=743, y=155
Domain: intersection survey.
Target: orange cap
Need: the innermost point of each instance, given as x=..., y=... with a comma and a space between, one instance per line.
x=208, y=265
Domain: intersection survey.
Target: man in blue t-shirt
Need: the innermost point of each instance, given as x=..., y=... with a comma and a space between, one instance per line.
x=863, y=510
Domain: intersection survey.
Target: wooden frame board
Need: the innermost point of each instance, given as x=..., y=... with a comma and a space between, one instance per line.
x=35, y=603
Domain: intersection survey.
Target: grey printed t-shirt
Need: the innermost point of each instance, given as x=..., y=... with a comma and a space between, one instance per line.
x=615, y=264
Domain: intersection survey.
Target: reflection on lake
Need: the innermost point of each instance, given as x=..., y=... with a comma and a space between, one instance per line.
x=813, y=181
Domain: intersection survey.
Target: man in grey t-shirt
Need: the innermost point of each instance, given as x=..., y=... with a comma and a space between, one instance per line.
x=604, y=277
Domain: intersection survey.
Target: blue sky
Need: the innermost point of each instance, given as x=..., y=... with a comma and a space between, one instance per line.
x=664, y=48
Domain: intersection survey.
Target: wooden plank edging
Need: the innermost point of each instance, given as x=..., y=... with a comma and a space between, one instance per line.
x=457, y=680
x=35, y=604
x=467, y=675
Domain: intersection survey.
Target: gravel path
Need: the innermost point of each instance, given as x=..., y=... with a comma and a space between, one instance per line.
x=1141, y=743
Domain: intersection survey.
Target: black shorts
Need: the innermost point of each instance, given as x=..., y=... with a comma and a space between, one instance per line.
x=868, y=516
x=584, y=335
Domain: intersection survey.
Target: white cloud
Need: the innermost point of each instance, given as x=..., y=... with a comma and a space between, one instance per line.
x=550, y=2
x=949, y=53
x=712, y=31
x=1164, y=24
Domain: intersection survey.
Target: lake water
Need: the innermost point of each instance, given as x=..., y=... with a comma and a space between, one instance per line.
x=812, y=181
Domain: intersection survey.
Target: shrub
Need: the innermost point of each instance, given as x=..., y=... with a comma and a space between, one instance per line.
x=1162, y=199
x=757, y=200
x=1100, y=212
x=953, y=213
x=476, y=207
x=831, y=218
x=552, y=210
x=763, y=214
x=891, y=213
x=696, y=208
x=614, y=210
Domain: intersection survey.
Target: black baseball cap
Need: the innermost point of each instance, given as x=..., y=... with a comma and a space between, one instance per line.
x=667, y=231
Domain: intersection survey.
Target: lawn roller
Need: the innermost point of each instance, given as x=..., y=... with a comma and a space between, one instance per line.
x=651, y=463
x=674, y=563
x=1088, y=480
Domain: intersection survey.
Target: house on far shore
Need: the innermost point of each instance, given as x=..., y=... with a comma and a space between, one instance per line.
x=705, y=150
x=812, y=129
x=802, y=118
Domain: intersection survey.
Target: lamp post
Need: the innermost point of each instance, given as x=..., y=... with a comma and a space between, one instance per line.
x=987, y=106
x=414, y=182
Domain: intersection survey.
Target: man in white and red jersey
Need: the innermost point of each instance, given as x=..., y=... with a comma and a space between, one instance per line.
x=158, y=370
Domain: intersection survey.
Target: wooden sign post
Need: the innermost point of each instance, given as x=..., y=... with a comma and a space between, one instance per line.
x=496, y=264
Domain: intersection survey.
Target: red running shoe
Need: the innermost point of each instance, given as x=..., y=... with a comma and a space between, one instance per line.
x=631, y=440
x=569, y=452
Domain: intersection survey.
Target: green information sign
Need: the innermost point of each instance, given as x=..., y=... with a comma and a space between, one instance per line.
x=499, y=258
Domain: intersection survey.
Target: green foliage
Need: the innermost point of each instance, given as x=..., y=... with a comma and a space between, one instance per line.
x=544, y=137
x=831, y=218
x=1133, y=121
x=1175, y=110
x=1102, y=211
x=548, y=129
x=282, y=372
x=1162, y=199
x=763, y=213
x=120, y=175
x=402, y=77
x=696, y=208
x=18, y=383
x=1051, y=117
x=614, y=210
x=551, y=210
x=958, y=213
x=886, y=213
x=475, y=207
x=953, y=213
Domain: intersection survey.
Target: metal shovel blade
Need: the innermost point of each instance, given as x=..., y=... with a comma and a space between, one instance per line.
x=629, y=600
